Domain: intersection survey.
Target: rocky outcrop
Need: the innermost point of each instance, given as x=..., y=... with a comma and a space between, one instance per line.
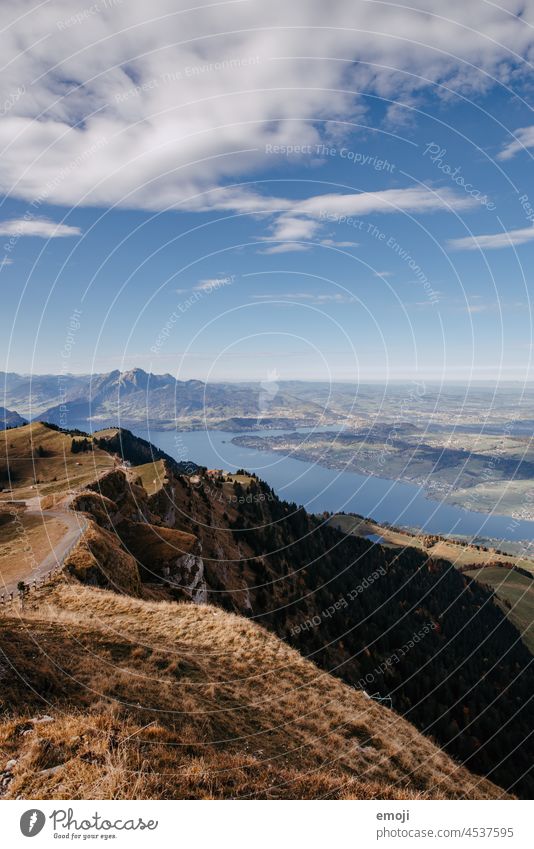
x=102, y=509
x=169, y=556
x=98, y=559
x=130, y=498
x=163, y=503
x=187, y=575
x=136, y=533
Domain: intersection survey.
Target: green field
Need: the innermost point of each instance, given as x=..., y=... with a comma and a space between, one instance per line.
x=516, y=595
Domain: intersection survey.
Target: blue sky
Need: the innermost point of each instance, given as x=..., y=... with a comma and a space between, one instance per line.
x=220, y=199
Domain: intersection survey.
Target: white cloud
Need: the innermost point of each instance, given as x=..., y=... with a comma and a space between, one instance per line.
x=493, y=241
x=41, y=227
x=289, y=231
x=285, y=248
x=331, y=243
x=292, y=229
x=311, y=297
x=523, y=138
x=471, y=304
x=332, y=207
x=213, y=283
x=294, y=221
x=150, y=105
x=210, y=284
x=473, y=309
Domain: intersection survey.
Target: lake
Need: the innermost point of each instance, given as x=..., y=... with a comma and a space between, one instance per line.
x=318, y=488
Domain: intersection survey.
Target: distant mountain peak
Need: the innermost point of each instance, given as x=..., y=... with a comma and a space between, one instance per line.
x=10, y=418
x=137, y=376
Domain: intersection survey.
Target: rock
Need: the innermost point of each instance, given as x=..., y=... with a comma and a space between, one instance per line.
x=52, y=770
x=37, y=720
x=10, y=764
x=188, y=574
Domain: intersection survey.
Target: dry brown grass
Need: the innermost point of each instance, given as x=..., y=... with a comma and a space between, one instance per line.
x=157, y=545
x=152, y=475
x=27, y=473
x=166, y=700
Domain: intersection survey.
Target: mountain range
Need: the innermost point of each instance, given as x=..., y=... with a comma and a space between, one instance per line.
x=136, y=397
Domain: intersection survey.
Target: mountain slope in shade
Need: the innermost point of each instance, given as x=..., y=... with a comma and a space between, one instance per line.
x=10, y=418
x=159, y=700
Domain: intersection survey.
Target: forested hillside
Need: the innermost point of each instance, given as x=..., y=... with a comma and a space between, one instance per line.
x=430, y=641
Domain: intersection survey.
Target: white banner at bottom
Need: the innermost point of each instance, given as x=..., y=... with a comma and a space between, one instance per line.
x=264, y=825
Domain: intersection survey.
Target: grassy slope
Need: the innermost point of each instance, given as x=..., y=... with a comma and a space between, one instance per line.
x=178, y=701
x=516, y=593
x=59, y=470
x=103, y=551
x=152, y=475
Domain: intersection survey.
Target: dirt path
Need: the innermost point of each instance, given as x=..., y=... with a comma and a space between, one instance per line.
x=75, y=524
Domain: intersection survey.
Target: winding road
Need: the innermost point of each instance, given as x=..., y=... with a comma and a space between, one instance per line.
x=76, y=525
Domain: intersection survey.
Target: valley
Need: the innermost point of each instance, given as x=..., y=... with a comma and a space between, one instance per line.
x=320, y=489
x=470, y=447
x=163, y=401
x=195, y=580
